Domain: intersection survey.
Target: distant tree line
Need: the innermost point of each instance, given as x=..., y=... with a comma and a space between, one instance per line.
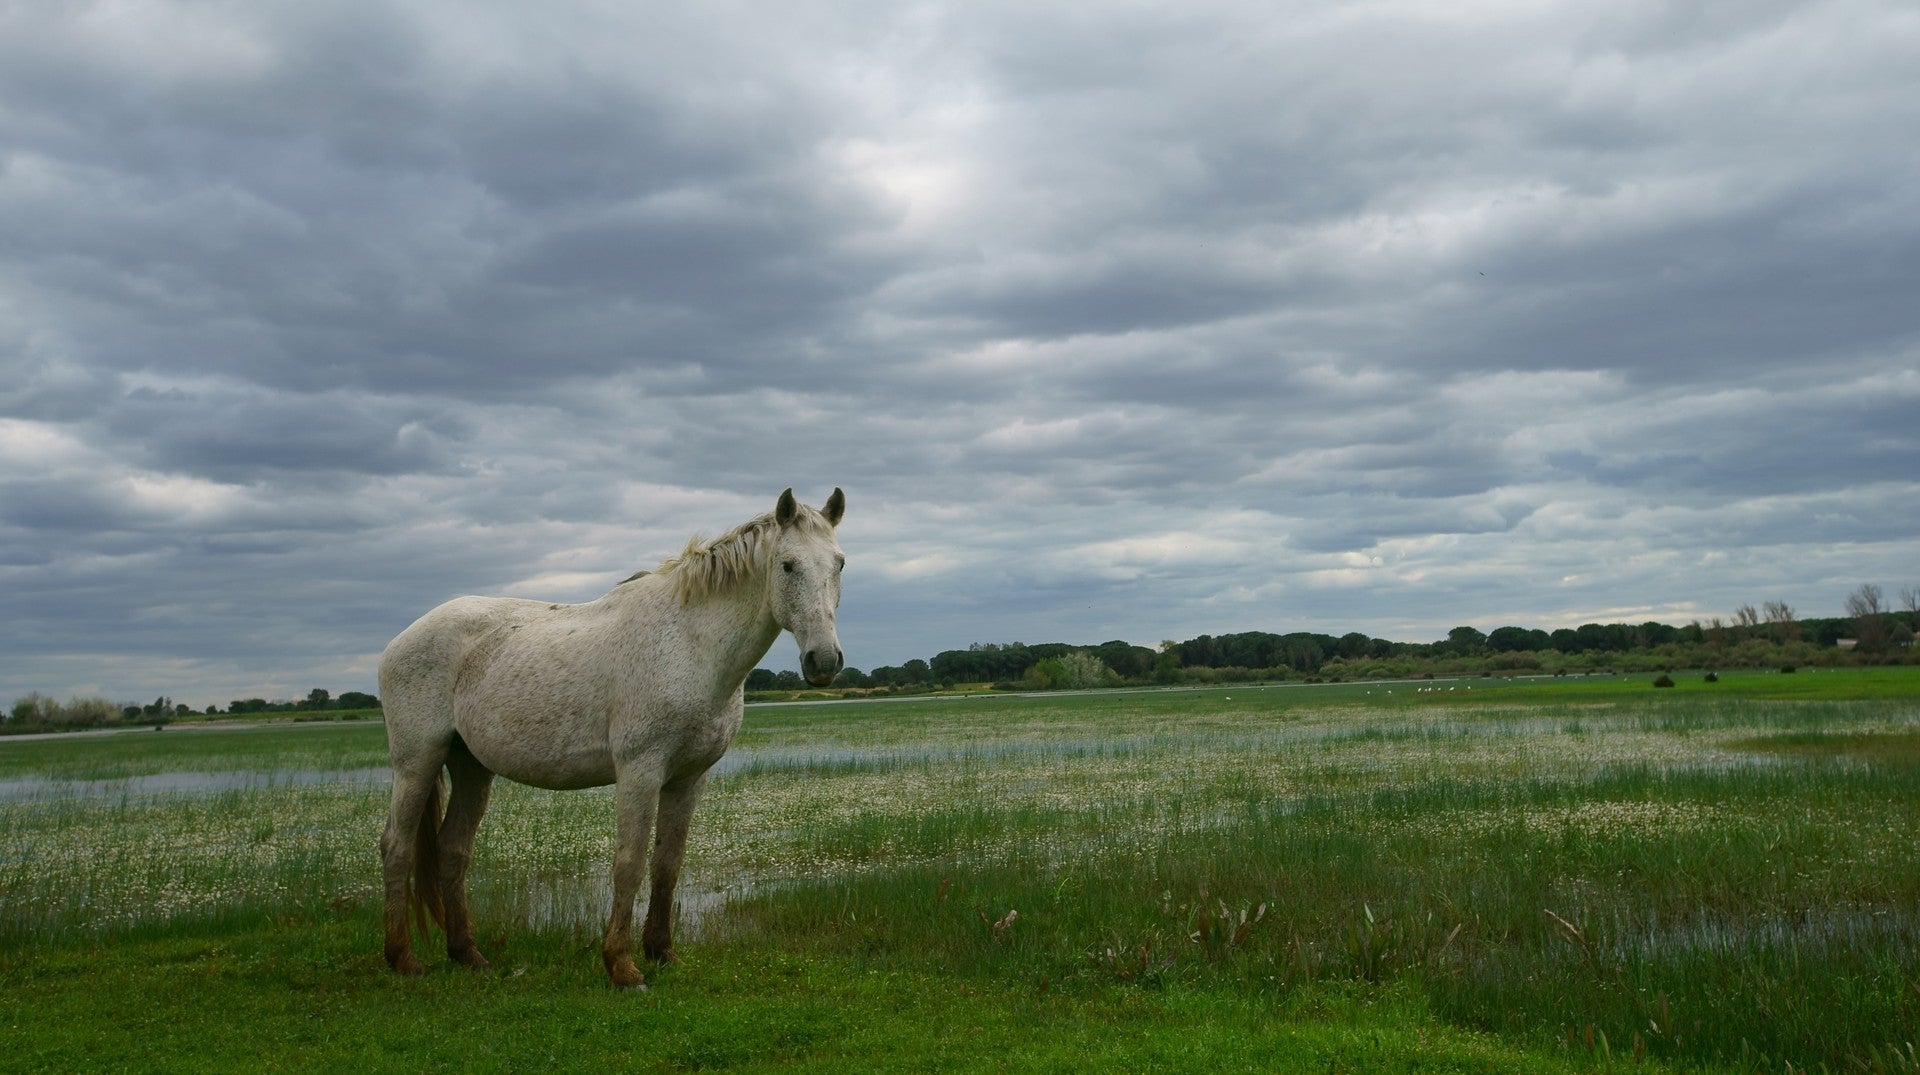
x=913, y=675
x=1871, y=631
x=39, y=712
x=986, y=662
x=1771, y=635
x=317, y=700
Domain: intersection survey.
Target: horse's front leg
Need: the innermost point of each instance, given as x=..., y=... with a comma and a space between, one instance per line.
x=634, y=797
x=670, y=848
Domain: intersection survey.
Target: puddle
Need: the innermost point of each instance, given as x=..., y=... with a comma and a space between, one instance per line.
x=832, y=758
x=844, y=758
x=1868, y=929
x=741, y=761
x=582, y=900
x=191, y=782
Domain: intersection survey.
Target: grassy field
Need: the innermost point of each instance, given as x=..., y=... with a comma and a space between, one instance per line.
x=1482, y=874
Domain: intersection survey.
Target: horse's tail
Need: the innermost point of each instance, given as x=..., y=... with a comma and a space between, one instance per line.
x=425, y=894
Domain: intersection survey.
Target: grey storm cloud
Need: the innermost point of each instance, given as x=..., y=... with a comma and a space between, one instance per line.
x=1130, y=322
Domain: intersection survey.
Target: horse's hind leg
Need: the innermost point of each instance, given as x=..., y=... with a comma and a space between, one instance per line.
x=669, y=850
x=409, y=833
x=472, y=785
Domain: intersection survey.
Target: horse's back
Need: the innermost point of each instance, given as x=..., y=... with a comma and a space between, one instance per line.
x=429, y=653
x=517, y=680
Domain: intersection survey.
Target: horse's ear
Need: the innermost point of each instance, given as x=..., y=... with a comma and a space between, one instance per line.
x=788, y=508
x=836, y=507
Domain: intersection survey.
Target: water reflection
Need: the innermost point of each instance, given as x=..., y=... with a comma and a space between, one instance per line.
x=189, y=782
x=581, y=899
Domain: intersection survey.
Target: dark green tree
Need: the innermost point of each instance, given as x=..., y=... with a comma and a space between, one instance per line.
x=1465, y=641
x=1166, y=666
x=1516, y=640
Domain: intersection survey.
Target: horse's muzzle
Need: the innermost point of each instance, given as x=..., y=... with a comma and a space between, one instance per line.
x=820, y=666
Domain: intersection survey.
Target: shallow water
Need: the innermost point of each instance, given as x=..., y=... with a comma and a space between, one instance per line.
x=186, y=782
x=840, y=757
x=766, y=759
x=582, y=899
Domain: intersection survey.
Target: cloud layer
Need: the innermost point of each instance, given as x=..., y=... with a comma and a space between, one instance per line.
x=1131, y=324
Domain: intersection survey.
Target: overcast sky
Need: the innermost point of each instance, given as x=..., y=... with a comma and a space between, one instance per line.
x=1135, y=322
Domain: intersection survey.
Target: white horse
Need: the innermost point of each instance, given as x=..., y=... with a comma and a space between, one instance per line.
x=640, y=689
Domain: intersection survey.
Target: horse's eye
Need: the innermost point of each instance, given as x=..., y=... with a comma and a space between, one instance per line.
x=787, y=566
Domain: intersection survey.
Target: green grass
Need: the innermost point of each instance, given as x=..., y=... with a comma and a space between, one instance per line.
x=285, y=745
x=309, y=996
x=1556, y=874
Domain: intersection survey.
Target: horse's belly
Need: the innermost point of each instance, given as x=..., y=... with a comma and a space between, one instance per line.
x=534, y=754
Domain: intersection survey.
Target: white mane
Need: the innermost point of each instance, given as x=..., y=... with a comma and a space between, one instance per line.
x=706, y=568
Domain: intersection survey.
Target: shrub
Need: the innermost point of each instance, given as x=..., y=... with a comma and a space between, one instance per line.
x=35, y=708
x=88, y=712
x=1076, y=670
x=1664, y=680
x=1713, y=677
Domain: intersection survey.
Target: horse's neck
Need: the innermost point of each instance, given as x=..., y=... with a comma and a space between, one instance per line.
x=733, y=629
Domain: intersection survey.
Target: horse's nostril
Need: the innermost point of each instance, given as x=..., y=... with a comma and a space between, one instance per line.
x=839, y=658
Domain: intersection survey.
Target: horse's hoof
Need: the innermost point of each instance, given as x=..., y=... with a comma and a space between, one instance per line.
x=408, y=966
x=624, y=975
x=666, y=956
x=631, y=987
x=470, y=958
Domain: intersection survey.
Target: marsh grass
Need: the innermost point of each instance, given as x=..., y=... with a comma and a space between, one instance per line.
x=1714, y=874
x=276, y=747
x=1697, y=914
x=1898, y=749
x=1616, y=877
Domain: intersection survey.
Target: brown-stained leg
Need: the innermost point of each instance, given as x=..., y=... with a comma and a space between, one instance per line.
x=635, y=795
x=414, y=796
x=472, y=786
x=669, y=850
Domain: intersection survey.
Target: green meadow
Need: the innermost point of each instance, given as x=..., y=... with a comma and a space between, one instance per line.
x=1561, y=874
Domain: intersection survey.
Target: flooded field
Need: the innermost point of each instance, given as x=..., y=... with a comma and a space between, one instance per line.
x=1699, y=854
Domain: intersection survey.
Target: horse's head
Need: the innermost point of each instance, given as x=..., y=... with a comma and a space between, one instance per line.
x=804, y=590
